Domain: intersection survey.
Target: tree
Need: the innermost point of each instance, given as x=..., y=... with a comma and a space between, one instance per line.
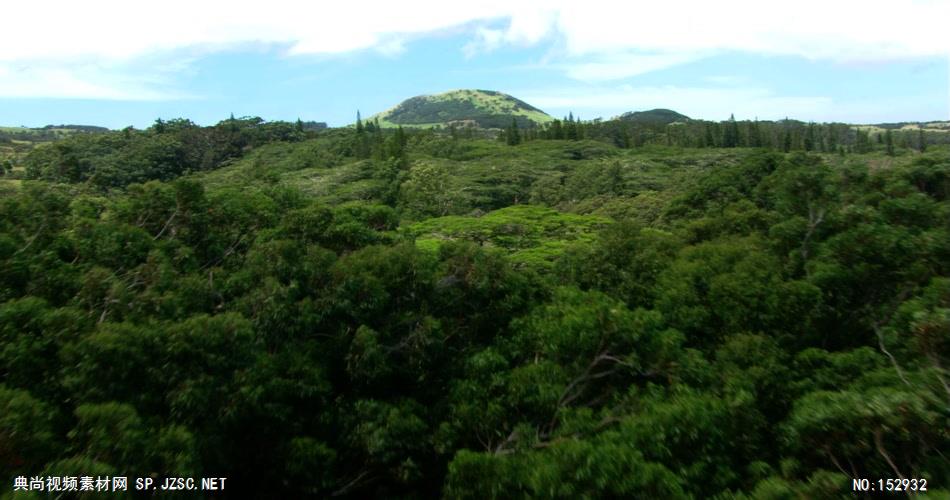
x=754, y=134
x=512, y=136
x=862, y=141
x=709, y=141
x=832, y=139
x=889, y=142
x=810, y=137
x=395, y=148
x=730, y=138
x=159, y=126
x=921, y=140
x=570, y=128
x=429, y=191
x=362, y=139
x=26, y=432
x=557, y=131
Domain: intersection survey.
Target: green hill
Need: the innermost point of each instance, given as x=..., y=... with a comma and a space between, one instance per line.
x=483, y=108
x=47, y=133
x=654, y=116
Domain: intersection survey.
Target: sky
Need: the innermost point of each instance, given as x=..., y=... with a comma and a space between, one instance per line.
x=117, y=63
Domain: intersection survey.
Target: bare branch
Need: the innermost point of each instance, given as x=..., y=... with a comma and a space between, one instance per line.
x=879, y=444
x=167, y=223
x=350, y=485
x=32, y=239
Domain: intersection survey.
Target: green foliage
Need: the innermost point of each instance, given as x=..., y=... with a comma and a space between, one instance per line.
x=430, y=191
x=706, y=287
x=534, y=236
x=625, y=261
x=512, y=136
x=27, y=439
x=164, y=151
x=612, y=308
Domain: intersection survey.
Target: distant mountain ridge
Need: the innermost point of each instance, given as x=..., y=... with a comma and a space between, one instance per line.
x=482, y=108
x=659, y=115
x=47, y=133
x=78, y=128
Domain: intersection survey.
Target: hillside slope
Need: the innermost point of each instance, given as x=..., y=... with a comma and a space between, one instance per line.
x=654, y=116
x=483, y=108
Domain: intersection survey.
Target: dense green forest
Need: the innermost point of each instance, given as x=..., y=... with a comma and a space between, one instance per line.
x=618, y=309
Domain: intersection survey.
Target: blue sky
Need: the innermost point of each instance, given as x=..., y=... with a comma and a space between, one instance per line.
x=324, y=64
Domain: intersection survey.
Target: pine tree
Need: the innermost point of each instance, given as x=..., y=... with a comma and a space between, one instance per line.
x=401, y=138
x=862, y=143
x=396, y=148
x=889, y=142
x=752, y=130
x=904, y=141
x=233, y=125
x=363, y=146
x=557, y=131
x=810, y=137
x=378, y=145
x=512, y=136
x=623, y=139
x=921, y=140
x=730, y=137
x=570, y=128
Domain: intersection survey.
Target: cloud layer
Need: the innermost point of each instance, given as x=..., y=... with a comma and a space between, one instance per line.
x=92, y=49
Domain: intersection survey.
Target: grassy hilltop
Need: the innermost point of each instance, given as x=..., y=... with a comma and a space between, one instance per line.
x=664, y=116
x=482, y=108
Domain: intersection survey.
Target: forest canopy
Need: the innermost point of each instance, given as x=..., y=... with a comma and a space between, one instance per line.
x=580, y=309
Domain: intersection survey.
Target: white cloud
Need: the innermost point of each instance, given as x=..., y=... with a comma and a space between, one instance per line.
x=839, y=30
x=625, y=65
x=119, y=29
x=485, y=40
x=85, y=81
x=527, y=25
x=725, y=79
x=392, y=47
x=598, y=39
